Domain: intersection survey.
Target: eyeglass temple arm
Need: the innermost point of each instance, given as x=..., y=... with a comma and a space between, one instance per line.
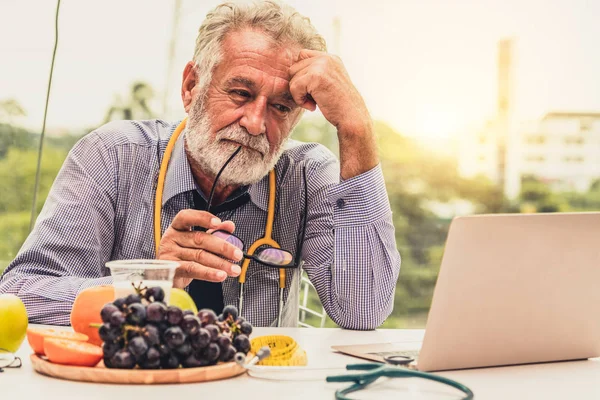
x=214, y=186
x=300, y=244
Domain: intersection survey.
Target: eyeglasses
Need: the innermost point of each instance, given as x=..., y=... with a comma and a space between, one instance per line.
x=9, y=360
x=269, y=256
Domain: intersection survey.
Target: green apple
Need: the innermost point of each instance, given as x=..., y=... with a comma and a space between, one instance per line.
x=180, y=298
x=13, y=322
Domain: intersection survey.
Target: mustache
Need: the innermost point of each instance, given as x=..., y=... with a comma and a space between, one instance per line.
x=240, y=135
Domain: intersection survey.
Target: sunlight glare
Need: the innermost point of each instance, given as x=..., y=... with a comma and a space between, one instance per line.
x=439, y=123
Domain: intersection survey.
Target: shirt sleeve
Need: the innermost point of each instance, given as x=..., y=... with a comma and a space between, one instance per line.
x=350, y=247
x=72, y=237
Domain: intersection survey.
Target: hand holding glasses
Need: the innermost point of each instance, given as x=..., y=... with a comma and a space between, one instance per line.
x=268, y=256
x=266, y=250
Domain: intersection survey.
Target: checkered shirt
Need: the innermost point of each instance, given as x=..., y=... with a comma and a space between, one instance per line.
x=100, y=208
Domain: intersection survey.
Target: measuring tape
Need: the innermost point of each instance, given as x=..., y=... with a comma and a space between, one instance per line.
x=284, y=351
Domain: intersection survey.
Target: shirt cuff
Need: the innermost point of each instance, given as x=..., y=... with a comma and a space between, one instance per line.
x=360, y=200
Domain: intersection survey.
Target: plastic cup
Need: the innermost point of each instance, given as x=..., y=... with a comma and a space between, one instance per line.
x=130, y=274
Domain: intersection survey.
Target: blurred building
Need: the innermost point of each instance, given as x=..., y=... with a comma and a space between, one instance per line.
x=561, y=149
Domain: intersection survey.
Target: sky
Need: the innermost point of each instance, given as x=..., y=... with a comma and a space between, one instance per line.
x=426, y=67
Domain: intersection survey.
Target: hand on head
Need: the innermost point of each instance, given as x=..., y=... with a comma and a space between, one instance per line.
x=320, y=79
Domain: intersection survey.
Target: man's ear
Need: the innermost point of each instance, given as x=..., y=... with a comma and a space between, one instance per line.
x=188, y=83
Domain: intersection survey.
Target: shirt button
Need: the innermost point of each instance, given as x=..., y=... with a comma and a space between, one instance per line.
x=340, y=203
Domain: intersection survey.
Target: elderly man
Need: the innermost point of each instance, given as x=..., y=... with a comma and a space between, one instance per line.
x=255, y=69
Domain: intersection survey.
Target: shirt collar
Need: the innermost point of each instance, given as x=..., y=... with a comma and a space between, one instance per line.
x=259, y=193
x=179, y=178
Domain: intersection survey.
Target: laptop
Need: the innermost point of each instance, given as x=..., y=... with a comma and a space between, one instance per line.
x=512, y=289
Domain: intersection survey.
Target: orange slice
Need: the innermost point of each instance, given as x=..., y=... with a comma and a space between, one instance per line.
x=71, y=352
x=36, y=336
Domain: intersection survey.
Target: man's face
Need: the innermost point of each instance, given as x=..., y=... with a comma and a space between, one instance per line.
x=247, y=103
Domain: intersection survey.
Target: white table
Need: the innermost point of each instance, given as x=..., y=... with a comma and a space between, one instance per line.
x=564, y=380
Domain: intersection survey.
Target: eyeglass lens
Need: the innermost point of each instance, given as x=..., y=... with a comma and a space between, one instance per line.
x=274, y=256
x=234, y=240
x=269, y=255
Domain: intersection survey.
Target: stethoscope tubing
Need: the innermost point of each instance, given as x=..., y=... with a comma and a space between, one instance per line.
x=376, y=371
x=265, y=240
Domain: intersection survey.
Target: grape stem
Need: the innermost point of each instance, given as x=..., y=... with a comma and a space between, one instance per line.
x=229, y=326
x=139, y=289
x=129, y=328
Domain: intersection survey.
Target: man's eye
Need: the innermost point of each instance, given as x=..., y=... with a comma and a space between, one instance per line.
x=281, y=108
x=241, y=93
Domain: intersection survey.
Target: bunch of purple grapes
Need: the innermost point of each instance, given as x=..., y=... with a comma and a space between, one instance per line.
x=141, y=330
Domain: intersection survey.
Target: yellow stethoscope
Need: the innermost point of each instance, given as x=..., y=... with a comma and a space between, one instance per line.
x=265, y=240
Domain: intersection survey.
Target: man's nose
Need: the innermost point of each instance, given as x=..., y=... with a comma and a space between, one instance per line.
x=255, y=113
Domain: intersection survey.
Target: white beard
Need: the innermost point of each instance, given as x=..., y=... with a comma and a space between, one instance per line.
x=247, y=167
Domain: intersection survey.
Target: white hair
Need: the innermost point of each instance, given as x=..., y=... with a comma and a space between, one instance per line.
x=286, y=27
x=277, y=20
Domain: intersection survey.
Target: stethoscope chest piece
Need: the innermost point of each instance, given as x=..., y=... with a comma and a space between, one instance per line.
x=398, y=360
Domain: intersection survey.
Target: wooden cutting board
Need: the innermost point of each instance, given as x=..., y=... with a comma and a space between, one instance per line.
x=101, y=374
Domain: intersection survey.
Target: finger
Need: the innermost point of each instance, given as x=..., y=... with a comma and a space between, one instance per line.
x=307, y=53
x=186, y=219
x=228, y=226
x=300, y=66
x=299, y=88
x=207, y=259
x=192, y=270
x=204, y=240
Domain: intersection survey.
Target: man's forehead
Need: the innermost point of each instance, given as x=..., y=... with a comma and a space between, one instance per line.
x=251, y=42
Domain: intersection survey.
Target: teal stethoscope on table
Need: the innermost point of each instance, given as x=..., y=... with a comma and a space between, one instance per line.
x=376, y=371
x=361, y=380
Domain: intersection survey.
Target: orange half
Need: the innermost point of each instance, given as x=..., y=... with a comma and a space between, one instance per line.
x=70, y=352
x=37, y=336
